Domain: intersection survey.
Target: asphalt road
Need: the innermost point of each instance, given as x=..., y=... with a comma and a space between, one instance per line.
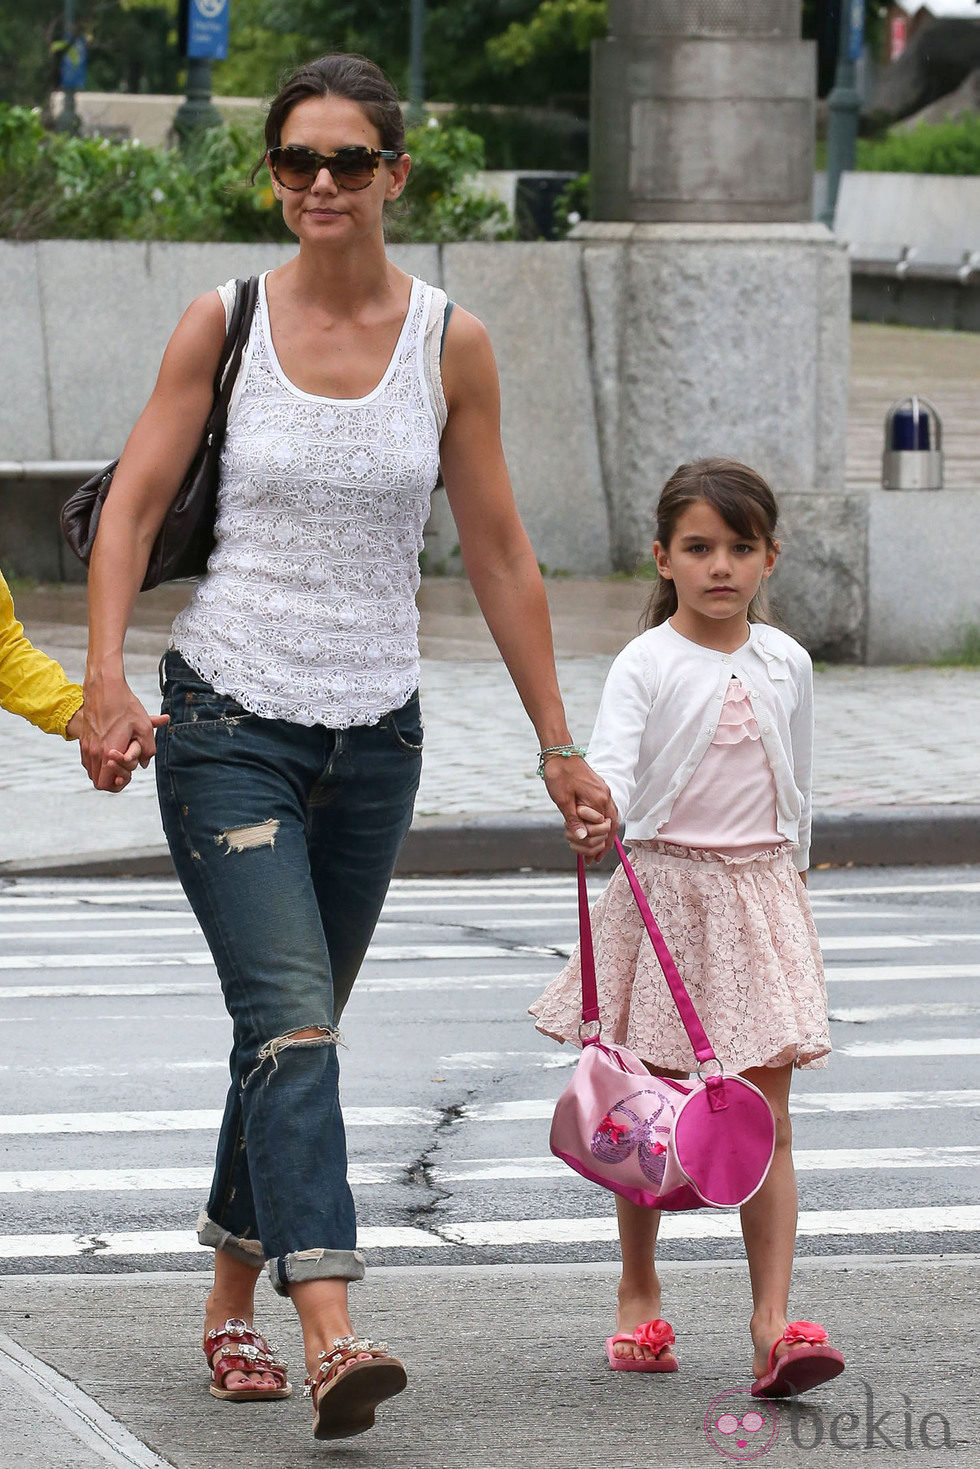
x=112, y=1072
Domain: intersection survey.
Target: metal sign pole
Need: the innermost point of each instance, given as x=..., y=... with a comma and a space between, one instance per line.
x=416, y=62
x=203, y=29
x=843, y=105
x=71, y=72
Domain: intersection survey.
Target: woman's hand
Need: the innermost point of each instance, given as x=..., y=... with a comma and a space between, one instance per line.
x=591, y=820
x=116, y=734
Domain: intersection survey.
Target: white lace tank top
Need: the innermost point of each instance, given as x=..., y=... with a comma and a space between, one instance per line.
x=307, y=609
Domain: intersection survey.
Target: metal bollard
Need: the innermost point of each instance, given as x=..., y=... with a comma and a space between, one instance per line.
x=913, y=454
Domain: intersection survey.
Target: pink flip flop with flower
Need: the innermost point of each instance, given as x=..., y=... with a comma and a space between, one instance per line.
x=657, y=1335
x=807, y=1362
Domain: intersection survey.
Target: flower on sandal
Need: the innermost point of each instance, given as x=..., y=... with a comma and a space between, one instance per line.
x=805, y=1331
x=654, y=1334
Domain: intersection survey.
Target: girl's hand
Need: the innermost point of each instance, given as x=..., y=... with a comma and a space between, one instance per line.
x=583, y=798
x=590, y=833
x=119, y=765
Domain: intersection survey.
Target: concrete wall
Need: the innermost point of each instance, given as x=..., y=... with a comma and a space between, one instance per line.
x=147, y=117
x=923, y=588
x=933, y=213
x=914, y=246
x=620, y=354
x=86, y=323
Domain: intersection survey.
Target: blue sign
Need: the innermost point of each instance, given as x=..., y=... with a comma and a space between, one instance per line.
x=855, y=29
x=74, y=60
x=207, y=29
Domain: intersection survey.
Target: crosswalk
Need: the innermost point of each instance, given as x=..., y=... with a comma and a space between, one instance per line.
x=112, y=1072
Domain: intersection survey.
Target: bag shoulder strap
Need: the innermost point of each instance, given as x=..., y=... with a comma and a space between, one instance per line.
x=445, y=325
x=590, y=998
x=239, y=325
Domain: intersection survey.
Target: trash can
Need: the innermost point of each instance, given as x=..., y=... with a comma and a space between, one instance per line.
x=913, y=455
x=535, y=197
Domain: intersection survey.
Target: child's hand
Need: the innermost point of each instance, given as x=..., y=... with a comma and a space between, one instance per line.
x=118, y=765
x=73, y=729
x=590, y=833
x=117, y=734
x=584, y=801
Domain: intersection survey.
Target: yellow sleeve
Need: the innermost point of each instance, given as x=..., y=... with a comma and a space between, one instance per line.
x=31, y=683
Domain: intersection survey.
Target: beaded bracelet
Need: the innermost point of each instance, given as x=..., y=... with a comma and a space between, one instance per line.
x=566, y=751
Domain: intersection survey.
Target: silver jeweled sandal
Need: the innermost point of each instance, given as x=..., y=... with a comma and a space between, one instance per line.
x=345, y=1396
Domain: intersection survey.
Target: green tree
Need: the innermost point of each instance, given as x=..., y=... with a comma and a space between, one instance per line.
x=132, y=47
x=26, y=65
x=458, y=65
x=553, y=44
x=264, y=44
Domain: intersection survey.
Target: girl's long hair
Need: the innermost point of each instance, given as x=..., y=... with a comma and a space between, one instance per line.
x=743, y=500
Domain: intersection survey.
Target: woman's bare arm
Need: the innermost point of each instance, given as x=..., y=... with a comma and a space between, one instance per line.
x=503, y=570
x=157, y=455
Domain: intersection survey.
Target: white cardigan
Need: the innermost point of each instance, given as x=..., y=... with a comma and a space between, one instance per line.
x=659, y=712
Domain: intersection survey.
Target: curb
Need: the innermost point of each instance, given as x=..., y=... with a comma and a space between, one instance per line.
x=897, y=836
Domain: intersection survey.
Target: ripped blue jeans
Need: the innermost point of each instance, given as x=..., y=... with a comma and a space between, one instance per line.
x=284, y=838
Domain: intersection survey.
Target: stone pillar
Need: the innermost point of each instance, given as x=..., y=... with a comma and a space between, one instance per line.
x=703, y=110
x=719, y=312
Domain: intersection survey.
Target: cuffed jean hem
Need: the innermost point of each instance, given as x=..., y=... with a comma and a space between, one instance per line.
x=301, y=1265
x=245, y=1251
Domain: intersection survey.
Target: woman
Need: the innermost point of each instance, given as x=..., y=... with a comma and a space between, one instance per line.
x=288, y=771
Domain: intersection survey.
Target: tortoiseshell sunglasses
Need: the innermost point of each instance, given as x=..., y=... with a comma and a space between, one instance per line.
x=350, y=168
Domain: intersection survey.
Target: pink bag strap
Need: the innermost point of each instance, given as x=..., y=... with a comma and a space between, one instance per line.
x=590, y=995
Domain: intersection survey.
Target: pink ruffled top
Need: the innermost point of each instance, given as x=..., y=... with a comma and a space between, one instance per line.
x=729, y=804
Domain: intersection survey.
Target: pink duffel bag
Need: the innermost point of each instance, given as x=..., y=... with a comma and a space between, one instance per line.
x=662, y=1143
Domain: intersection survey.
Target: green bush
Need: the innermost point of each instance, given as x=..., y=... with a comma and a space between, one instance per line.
x=53, y=186
x=440, y=204
x=967, y=653
x=952, y=146
x=572, y=204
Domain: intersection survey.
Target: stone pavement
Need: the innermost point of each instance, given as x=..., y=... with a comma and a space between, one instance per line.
x=897, y=772
x=506, y=1369
x=506, y=1365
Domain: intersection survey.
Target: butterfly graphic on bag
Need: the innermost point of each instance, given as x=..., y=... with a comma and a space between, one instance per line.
x=615, y=1142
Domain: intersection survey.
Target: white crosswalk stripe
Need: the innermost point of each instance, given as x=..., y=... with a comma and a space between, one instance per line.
x=718, y=1225
x=171, y=1180
x=506, y=1233
x=531, y=1109
x=66, y=943
x=387, y=982
x=380, y=954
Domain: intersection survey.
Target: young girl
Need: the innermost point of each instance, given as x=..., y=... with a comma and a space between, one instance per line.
x=36, y=687
x=704, y=734
x=31, y=683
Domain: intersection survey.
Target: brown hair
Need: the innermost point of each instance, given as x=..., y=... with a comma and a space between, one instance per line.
x=743, y=500
x=339, y=74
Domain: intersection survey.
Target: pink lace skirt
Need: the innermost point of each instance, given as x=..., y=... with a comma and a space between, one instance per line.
x=743, y=938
